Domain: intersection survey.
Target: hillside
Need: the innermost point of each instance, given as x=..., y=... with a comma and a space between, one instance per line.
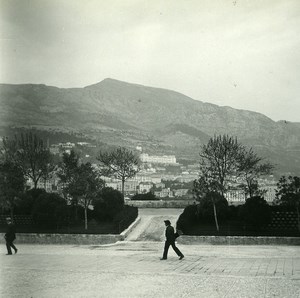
x=162, y=121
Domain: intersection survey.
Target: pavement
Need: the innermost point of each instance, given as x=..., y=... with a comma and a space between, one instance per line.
x=133, y=268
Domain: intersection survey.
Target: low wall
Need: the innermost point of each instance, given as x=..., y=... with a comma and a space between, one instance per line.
x=31, y=238
x=238, y=240
x=160, y=204
x=91, y=239
x=127, y=231
x=84, y=239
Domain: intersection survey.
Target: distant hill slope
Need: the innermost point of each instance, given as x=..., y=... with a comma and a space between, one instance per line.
x=162, y=121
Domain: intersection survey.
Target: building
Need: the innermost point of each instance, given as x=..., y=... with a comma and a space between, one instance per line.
x=235, y=196
x=180, y=192
x=160, y=185
x=270, y=194
x=164, y=159
x=130, y=186
x=165, y=192
x=51, y=185
x=67, y=145
x=144, y=187
x=54, y=149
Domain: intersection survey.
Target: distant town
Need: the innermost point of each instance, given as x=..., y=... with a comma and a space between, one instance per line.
x=162, y=175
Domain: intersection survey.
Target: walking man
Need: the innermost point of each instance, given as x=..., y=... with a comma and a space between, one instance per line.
x=10, y=236
x=170, y=240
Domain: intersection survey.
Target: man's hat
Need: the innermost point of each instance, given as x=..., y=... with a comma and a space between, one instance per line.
x=167, y=222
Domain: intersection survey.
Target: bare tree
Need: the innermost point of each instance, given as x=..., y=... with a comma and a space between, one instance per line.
x=121, y=163
x=250, y=168
x=31, y=154
x=219, y=160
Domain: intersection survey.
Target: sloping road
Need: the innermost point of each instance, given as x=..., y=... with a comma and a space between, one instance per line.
x=152, y=227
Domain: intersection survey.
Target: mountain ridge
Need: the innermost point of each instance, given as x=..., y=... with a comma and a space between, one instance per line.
x=162, y=120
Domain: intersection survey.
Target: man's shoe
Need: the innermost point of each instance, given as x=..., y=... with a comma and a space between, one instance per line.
x=163, y=259
x=181, y=257
x=9, y=254
x=16, y=250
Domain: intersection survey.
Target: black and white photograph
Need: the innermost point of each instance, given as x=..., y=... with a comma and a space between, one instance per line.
x=150, y=148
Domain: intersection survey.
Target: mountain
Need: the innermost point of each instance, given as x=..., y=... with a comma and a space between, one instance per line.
x=160, y=120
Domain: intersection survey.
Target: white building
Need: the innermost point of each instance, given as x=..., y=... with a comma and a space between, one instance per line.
x=164, y=159
x=144, y=187
x=165, y=192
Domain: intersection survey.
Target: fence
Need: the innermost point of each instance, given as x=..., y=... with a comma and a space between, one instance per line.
x=26, y=224
x=284, y=220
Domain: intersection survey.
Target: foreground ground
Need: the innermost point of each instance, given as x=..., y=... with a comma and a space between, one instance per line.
x=133, y=269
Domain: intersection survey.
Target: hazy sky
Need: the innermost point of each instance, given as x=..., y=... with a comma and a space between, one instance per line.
x=243, y=54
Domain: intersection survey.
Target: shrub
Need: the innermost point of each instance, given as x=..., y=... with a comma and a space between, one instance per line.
x=145, y=197
x=206, y=210
x=233, y=212
x=125, y=217
x=255, y=213
x=108, y=204
x=27, y=201
x=187, y=219
x=50, y=210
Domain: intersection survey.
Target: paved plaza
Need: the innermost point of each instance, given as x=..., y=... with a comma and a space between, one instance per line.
x=133, y=269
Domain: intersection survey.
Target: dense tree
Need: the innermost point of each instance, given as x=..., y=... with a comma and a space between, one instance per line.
x=120, y=163
x=288, y=193
x=12, y=181
x=251, y=167
x=50, y=210
x=12, y=185
x=108, y=204
x=67, y=173
x=86, y=186
x=28, y=199
x=81, y=182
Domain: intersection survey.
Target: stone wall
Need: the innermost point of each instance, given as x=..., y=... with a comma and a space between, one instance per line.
x=238, y=240
x=31, y=238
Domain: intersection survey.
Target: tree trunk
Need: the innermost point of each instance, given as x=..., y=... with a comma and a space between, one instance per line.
x=85, y=218
x=298, y=216
x=123, y=183
x=35, y=184
x=216, y=217
x=75, y=204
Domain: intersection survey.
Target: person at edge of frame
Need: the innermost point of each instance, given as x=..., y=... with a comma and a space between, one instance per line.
x=10, y=236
